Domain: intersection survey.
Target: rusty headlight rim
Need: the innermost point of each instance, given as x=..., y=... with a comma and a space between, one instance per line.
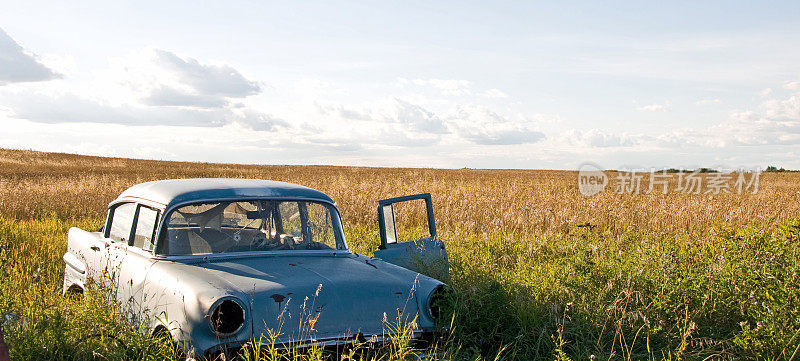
x=219, y=303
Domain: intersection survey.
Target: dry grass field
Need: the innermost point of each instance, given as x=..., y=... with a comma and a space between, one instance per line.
x=540, y=271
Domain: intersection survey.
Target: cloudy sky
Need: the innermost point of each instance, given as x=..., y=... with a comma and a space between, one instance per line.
x=422, y=84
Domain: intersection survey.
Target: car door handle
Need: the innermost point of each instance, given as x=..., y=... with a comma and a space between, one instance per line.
x=95, y=248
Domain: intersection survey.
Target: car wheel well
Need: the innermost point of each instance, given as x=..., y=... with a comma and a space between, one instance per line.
x=159, y=331
x=74, y=291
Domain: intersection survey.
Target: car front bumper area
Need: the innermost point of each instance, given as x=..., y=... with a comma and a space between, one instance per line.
x=415, y=338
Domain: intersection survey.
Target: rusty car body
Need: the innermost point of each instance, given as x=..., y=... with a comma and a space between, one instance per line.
x=216, y=263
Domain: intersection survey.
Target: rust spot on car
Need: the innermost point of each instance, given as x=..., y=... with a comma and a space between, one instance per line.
x=278, y=298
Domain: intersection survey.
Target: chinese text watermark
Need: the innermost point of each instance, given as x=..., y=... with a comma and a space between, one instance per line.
x=592, y=180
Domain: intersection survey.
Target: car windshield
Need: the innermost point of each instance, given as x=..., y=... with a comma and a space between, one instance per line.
x=257, y=225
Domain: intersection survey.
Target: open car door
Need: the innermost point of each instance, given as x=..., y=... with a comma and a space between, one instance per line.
x=416, y=247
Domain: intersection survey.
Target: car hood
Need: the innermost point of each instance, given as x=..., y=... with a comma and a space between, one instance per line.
x=315, y=297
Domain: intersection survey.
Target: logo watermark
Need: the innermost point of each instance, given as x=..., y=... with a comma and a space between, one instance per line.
x=592, y=180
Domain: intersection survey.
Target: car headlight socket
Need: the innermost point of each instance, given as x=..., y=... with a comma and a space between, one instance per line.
x=227, y=317
x=436, y=299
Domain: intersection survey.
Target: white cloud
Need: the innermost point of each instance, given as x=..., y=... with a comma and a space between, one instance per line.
x=587, y=141
x=707, y=102
x=452, y=87
x=495, y=93
x=601, y=139
x=541, y=118
x=782, y=111
x=69, y=108
x=391, y=121
x=775, y=123
x=256, y=120
x=151, y=87
x=18, y=65
x=207, y=79
x=654, y=107
x=480, y=125
x=168, y=96
x=417, y=118
x=765, y=92
x=345, y=112
x=399, y=121
x=792, y=85
x=165, y=79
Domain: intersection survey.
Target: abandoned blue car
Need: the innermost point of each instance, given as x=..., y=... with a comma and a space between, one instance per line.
x=216, y=263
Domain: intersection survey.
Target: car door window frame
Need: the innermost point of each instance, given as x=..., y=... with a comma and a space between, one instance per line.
x=382, y=216
x=110, y=222
x=139, y=207
x=106, y=230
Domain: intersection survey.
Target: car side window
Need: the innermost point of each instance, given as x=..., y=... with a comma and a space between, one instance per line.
x=145, y=228
x=121, y=222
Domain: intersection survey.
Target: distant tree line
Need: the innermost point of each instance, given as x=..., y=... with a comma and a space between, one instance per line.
x=701, y=170
x=771, y=169
x=779, y=170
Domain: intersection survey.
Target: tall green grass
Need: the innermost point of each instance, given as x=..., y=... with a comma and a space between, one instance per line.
x=40, y=323
x=733, y=293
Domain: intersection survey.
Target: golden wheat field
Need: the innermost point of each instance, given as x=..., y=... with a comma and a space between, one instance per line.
x=35, y=184
x=539, y=270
